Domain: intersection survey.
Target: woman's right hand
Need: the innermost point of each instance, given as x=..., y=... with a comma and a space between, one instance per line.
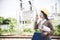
x=36, y=18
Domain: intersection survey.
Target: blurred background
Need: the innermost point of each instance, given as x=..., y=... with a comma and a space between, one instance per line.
x=17, y=16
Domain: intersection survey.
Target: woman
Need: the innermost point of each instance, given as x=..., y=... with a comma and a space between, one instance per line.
x=45, y=27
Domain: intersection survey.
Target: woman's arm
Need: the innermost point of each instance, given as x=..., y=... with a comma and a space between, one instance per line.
x=51, y=27
x=35, y=25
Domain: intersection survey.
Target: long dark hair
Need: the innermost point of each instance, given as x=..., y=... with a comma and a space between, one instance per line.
x=45, y=15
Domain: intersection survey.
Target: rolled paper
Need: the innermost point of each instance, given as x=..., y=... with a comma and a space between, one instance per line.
x=45, y=28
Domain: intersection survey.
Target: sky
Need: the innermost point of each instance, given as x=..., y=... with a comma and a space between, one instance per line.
x=10, y=8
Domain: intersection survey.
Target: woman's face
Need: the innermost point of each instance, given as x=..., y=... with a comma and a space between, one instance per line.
x=41, y=15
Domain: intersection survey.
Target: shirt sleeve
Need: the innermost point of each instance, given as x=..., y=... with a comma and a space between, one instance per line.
x=50, y=26
x=35, y=25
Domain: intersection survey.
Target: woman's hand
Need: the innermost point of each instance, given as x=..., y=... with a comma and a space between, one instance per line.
x=45, y=33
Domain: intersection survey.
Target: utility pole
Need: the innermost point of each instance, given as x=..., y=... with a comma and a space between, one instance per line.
x=21, y=4
x=55, y=8
x=30, y=5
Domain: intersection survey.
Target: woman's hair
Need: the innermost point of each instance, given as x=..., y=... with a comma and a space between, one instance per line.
x=45, y=15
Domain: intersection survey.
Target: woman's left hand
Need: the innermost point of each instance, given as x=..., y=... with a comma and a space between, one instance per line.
x=45, y=33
